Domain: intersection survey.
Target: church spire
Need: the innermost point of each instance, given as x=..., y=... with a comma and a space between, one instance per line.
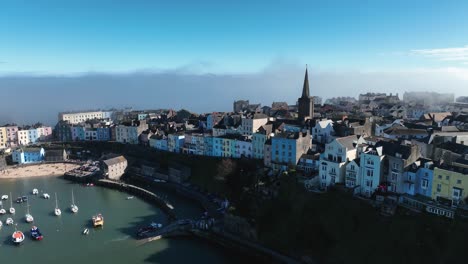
x=305, y=88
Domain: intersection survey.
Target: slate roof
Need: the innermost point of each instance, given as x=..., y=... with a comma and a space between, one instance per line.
x=348, y=142
x=391, y=149
x=115, y=160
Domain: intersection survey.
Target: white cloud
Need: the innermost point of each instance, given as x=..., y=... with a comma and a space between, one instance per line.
x=458, y=54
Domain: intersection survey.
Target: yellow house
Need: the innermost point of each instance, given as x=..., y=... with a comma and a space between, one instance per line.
x=3, y=137
x=451, y=181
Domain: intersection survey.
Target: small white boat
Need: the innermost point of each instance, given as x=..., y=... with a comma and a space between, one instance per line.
x=1, y=224
x=130, y=197
x=29, y=218
x=73, y=206
x=57, y=210
x=35, y=191
x=17, y=237
x=4, y=197
x=85, y=231
x=12, y=210
x=46, y=196
x=2, y=211
x=9, y=221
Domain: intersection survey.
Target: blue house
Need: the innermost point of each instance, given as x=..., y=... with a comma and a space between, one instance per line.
x=103, y=134
x=424, y=177
x=28, y=155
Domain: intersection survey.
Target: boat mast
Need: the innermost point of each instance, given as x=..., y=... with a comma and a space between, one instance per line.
x=56, y=201
x=73, y=198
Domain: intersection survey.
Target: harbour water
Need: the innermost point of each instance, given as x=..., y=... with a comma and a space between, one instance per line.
x=115, y=243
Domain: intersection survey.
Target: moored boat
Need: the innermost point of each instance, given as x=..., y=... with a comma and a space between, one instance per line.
x=4, y=197
x=73, y=206
x=9, y=221
x=36, y=233
x=85, y=231
x=19, y=200
x=29, y=218
x=17, y=237
x=12, y=210
x=2, y=211
x=46, y=196
x=57, y=210
x=98, y=220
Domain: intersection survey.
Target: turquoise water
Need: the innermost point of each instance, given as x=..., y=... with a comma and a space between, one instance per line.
x=114, y=243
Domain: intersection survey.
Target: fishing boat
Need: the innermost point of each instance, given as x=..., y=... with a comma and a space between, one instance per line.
x=46, y=196
x=2, y=211
x=29, y=218
x=98, y=220
x=85, y=231
x=36, y=233
x=4, y=197
x=57, y=210
x=12, y=210
x=17, y=237
x=19, y=200
x=35, y=191
x=73, y=206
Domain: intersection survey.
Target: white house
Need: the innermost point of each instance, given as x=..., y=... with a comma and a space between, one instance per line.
x=332, y=162
x=352, y=177
x=322, y=131
x=371, y=169
x=251, y=124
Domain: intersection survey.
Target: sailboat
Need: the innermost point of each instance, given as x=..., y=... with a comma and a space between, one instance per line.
x=28, y=216
x=9, y=221
x=57, y=210
x=73, y=206
x=12, y=210
x=2, y=211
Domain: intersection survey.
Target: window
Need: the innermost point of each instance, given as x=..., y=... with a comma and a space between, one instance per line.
x=369, y=183
x=440, y=177
x=424, y=184
x=370, y=162
x=324, y=167
x=439, y=187
x=447, y=177
x=456, y=193
x=324, y=177
x=370, y=173
x=395, y=166
x=394, y=176
x=459, y=181
x=352, y=167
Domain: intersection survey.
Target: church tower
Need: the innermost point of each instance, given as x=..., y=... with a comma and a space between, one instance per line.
x=306, y=102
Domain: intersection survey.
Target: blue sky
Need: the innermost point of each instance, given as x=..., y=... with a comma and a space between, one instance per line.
x=57, y=37
x=202, y=55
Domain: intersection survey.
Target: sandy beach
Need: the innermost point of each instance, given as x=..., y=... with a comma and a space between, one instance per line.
x=39, y=170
